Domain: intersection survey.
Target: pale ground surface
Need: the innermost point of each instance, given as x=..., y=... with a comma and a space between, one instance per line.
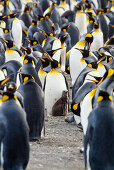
x=60, y=148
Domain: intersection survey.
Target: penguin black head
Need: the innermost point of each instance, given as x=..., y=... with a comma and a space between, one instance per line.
x=27, y=9
x=62, y=37
x=48, y=15
x=34, y=22
x=54, y=64
x=52, y=52
x=104, y=96
x=7, y=96
x=96, y=25
x=11, y=87
x=106, y=10
x=88, y=5
x=34, y=42
x=40, y=18
x=6, y=80
x=28, y=59
x=85, y=53
x=91, y=19
x=25, y=77
x=78, y=7
x=13, y=15
x=6, y=30
x=89, y=39
x=65, y=28
x=93, y=65
x=45, y=62
x=9, y=43
x=27, y=49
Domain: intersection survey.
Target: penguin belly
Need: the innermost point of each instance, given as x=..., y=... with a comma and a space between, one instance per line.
x=75, y=67
x=57, y=45
x=86, y=108
x=97, y=41
x=42, y=74
x=63, y=59
x=12, y=55
x=55, y=85
x=17, y=32
x=80, y=22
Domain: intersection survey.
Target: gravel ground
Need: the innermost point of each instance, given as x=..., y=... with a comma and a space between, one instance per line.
x=60, y=148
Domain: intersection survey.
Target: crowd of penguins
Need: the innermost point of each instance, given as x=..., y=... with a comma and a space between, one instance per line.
x=41, y=41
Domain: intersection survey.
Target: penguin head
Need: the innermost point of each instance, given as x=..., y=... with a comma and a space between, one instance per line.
x=13, y=15
x=34, y=42
x=28, y=59
x=25, y=78
x=9, y=43
x=88, y=5
x=106, y=10
x=85, y=53
x=28, y=50
x=6, y=30
x=40, y=18
x=89, y=40
x=104, y=96
x=45, y=62
x=11, y=87
x=79, y=7
x=34, y=22
x=6, y=80
x=48, y=15
x=27, y=9
x=52, y=52
x=93, y=65
x=65, y=28
x=54, y=64
x=7, y=96
x=62, y=37
x=96, y=25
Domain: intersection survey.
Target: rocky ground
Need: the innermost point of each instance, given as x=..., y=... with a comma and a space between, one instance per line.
x=60, y=148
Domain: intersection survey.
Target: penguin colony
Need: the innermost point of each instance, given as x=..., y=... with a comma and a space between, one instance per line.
x=40, y=42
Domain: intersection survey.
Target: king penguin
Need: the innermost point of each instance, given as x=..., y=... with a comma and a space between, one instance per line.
x=55, y=84
x=14, y=133
x=100, y=135
x=33, y=103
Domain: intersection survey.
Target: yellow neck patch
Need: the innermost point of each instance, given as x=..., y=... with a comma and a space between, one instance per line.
x=25, y=79
x=92, y=93
x=75, y=106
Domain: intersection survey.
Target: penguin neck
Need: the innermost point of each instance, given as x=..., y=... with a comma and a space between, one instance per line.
x=54, y=71
x=105, y=103
x=41, y=71
x=97, y=30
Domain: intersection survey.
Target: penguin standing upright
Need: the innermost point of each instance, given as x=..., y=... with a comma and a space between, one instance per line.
x=17, y=32
x=54, y=86
x=100, y=135
x=13, y=132
x=33, y=103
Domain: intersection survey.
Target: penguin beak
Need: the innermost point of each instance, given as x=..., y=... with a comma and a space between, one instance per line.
x=24, y=48
x=48, y=56
x=5, y=40
x=28, y=40
x=89, y=45
x=99, y=61
x=68, y=25
x=42, y=59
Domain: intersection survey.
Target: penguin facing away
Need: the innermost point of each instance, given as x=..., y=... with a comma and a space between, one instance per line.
x=14, y=135
x=99, y=139
x=33, y=103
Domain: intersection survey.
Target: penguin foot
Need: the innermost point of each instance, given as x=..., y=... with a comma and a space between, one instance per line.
x=69, y=119
x=81, y=150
